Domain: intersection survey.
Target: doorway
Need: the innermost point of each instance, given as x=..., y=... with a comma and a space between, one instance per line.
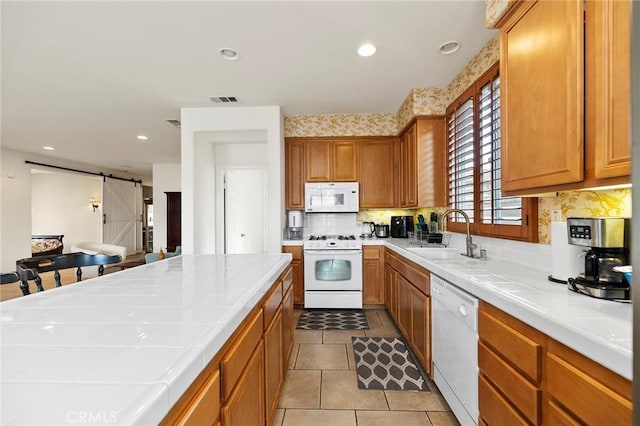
x=245, y=215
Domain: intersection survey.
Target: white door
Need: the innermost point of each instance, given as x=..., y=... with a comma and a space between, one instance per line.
x=245, y=210
x=122, y=209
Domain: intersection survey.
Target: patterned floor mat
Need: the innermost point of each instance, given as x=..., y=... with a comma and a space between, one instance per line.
x=385, y=363
x=333, y=320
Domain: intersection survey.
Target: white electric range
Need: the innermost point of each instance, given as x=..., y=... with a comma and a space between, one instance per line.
x=333, y=272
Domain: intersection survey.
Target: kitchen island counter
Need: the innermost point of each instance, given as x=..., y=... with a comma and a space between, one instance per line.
x=123, y=348
x=599, y=329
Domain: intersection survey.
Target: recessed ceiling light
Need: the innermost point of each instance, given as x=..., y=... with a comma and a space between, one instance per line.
x=228, y=53
x=49, y=148
x=142, y=137
x=367, y=49
x=449, y=47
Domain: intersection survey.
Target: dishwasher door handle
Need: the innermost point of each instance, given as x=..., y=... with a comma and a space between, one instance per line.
x=463, y=310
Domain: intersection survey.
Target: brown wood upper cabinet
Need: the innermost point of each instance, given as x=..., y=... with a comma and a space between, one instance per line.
x=331, y=160
x=377, y=174
x=294, y=174
x=422, y=179
x=544, y=146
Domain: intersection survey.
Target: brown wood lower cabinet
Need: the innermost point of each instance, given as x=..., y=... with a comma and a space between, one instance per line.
x=584, y=392
x=287, y=327
x=274, y=368
x=373, y=275
x=510, y=365
x=242, y=384
x=297, y=264
x=525, y=377
x=246, y=405
x=407, y=292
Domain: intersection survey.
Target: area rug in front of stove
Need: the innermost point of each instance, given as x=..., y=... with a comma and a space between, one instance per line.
x=386, y=363
x=350, y=319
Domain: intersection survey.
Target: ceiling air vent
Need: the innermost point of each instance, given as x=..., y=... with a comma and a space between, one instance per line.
x=223, y=99
x=174, y=122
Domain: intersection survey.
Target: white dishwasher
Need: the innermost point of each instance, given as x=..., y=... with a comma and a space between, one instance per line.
x=455, y=348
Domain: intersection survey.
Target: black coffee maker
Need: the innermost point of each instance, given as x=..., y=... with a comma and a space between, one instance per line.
x=608, y=242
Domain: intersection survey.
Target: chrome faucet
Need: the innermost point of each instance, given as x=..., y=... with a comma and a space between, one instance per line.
x=470, y=245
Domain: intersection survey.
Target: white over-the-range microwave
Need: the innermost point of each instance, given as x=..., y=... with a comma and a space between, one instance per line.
x=331, y=197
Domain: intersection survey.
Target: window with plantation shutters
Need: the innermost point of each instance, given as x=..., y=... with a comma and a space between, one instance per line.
x=474, y=147
x=460, y=129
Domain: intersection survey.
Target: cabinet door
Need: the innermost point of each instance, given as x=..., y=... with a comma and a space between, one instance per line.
x=391, y=291
x=297, y=267
x=274, y=368
x=421, y=332
x=294, y=174
x=245, y=406
x=542, y=107
x=404, y=306
x=344, y=161
x=287, y=327
x=376, y=174
x=373, y=285
x=408, y=169
x=318, y=161
x=608, y=85
x=432, y=162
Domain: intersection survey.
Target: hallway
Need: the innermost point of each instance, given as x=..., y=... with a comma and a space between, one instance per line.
x=321, y=388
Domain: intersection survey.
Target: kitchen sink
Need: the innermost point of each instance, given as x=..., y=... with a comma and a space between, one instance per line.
x=437, y=253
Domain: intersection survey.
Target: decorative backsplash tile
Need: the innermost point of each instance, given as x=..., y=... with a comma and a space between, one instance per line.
x=375, y=124
x=381, y=216
x=607, y=203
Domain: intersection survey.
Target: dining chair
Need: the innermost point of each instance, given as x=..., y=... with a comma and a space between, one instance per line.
x=29, y=268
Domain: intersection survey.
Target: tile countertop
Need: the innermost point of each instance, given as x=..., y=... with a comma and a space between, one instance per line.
x=599, y=329
x=122, y=348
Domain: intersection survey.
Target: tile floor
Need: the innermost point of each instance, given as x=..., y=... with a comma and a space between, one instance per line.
x=321, y=388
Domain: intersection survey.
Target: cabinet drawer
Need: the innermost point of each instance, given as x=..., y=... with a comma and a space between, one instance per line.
x=494, y=409
x=416, y=275
x=271, y=303
x=584, y=396
x=287, y=280
x=520, y=392
x=391, y=259
x=296, y=251
x=557, y=416
x=205, y=407
x=370, y=253
x=237, y=357
x=520, y=351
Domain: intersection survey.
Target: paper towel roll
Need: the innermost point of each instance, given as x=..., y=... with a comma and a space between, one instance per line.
x=563, y=255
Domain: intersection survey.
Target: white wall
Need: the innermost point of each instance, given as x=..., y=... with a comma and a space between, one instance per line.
x=198, y=170
x=15, y=209
x=60, y=205
x=166, y=178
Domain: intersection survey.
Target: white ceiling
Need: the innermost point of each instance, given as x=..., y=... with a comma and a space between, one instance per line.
x=87, y=77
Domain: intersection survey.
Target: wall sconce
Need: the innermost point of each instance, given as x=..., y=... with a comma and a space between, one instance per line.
x=94, y=203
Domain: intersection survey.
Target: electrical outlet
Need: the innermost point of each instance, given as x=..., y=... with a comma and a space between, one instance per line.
x=556, y=216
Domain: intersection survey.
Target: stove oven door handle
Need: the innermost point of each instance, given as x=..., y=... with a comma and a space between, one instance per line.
x=333, y=252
